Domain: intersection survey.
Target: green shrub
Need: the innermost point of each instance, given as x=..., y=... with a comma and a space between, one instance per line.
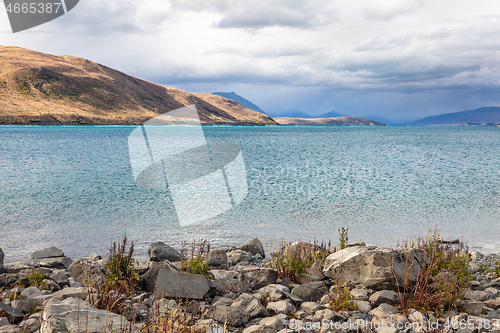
x=36, y=279
x=196, y=262
x=443, y=278
x=120, y=268
x=195, y=265
x=342, y=299
x=343, y=238
x=291, y=261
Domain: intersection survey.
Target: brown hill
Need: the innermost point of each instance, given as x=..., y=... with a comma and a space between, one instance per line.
x=43, y=89
x=337, y=121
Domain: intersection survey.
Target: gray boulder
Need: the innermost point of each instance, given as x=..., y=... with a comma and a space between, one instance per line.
x=250, y=306
x=257, y=277
x=284, y=306
x=235, y=257
x=73, y=314
x=254, y=247
x=55, y=262
x=374, y=268
x=308, y=293
x=229, y=315
x=1, y=261
x=13, y=315
x=87, y=272
x=176, y=284
x=384, y=296
x=217, y=259
x=148, y=280
x=383, y=310
x=160, y=251
x=50, y=252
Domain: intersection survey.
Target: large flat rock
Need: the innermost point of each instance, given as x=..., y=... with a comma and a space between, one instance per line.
x=176, y=284
x=375, y=268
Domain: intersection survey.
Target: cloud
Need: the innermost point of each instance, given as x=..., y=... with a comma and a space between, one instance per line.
x=388, y=10
x=257, y=14
x=311, y=49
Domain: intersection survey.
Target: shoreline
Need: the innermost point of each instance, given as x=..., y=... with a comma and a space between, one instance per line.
x=245, y=289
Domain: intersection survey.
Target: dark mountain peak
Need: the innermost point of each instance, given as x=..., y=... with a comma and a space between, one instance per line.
x=238, y=99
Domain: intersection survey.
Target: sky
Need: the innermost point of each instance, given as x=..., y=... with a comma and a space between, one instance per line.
x=402, y=60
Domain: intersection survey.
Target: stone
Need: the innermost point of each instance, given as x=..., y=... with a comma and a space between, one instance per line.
x=315, y=271
x=493, y=303
x=30, y=292
x=383, y=309
x=478, y=295
x=176, y=284
x=163, y=307
x=53, y=262
x=49, y=252
x=495, y=283
x=417, y=317
x=87, y=272
x=30, y=325
x=2, y=270
x=360, y=294
x=235, y=257
x=325, y=299
x=285, y=306
x=72, y=314
x=308, y=278
x=474, y=307
x=274, y=292
x=22, y=304
x=140, y=310
x=310, y=307
x=4, y=321
x=13, y=315
x=384, y=296
x=254, y=247
x=148, y=279
x=71, y=292
x=60, y=278
x=325, y=314
x=229, y=315
x=160, y=251
x=374, y=268
x=48, y=284
x=363, y=306
x=10, y=329
x=274, y=323
x=308, y=293
x=217, y=259
x=258, y=329
x=257, y=277
x=250, y=306
x=492, y=291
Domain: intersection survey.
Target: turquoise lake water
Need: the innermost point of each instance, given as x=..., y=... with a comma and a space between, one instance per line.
x=73, y=187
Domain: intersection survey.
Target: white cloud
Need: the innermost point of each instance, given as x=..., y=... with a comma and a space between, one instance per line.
x=398, y=47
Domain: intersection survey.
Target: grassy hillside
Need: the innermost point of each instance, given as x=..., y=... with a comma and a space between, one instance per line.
x=38, y=88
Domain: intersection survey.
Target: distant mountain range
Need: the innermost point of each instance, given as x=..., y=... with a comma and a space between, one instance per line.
x=478, y=116
x=334, y=121
x=302, y=114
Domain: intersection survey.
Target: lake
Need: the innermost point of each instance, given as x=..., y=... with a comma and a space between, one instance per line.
x=74, y=187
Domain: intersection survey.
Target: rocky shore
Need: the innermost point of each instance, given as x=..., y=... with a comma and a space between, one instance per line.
x=354, y=289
